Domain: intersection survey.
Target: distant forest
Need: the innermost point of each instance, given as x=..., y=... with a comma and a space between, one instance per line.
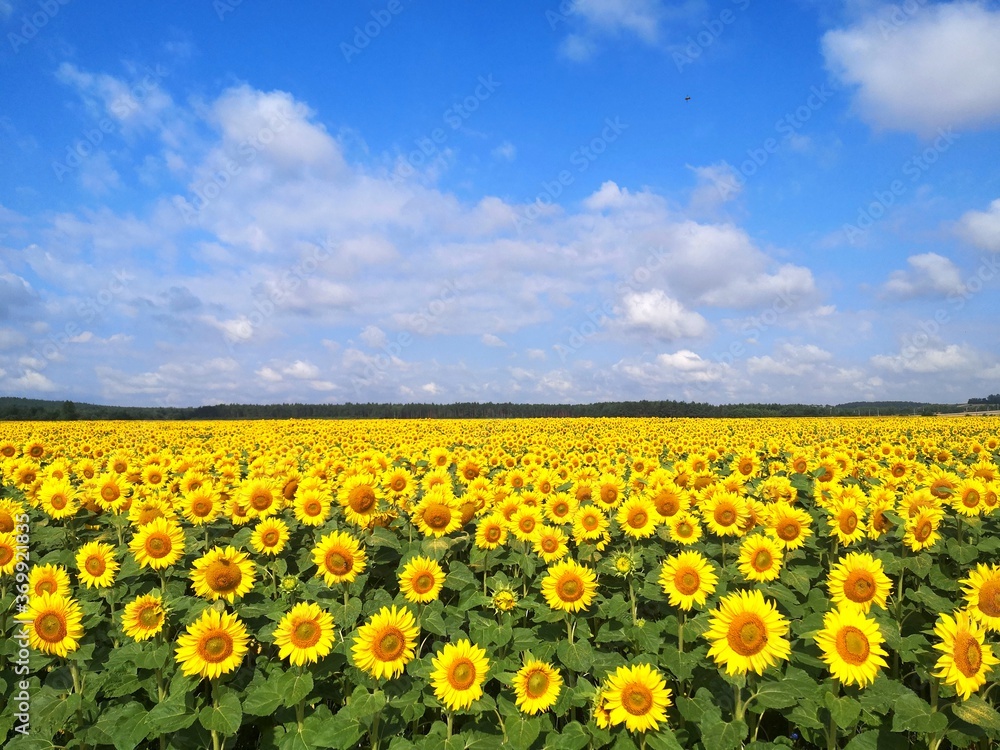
x=13, y=409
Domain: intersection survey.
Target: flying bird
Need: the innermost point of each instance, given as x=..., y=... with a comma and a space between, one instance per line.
x=687, y=98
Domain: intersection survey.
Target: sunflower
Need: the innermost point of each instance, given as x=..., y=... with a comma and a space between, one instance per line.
x=536, y=685
x=48, y=579
x=201, y=505
x=968, y=497
x=222, y=574
x=421, y=580
x=747, y=633
x=638, y=518
x=96, y=563
x=559, y=507
x=589, y=524
x=857, y=581
x=459, y=673
x=851, y=646
x=437, y=514
x=8, y=553
x=725, y=513
x=569, y=586
x=305, y=634
x=269, y=536
x=504, y=599
x=525, y=521
x=146, y=509
x=922, y=528
x=213, y=645
x=359, y=497
x=9, y=512
x=158, y=544
x=339, y=558
x=638, y=697
x=687, y=579
x=385, y=644
x=669, y=500
x=399, y=483
x=153, y=475
x=847, y=521
x=551, y=544
x=789, y=525
x=982, y=593
x=53, y=623
x=609, y=491
x=261, y=497
x=311, y=507
x=491, y=531
x=966, y=659
x=144, y=617
x=111, y=489
x=684, y=528
x=760, y=558
x=58, y=498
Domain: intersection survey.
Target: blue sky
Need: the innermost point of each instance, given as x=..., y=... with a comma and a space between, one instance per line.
x=415, y=201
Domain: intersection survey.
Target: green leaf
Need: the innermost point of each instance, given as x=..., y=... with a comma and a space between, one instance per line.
x=963, y=554
x=572, y=737
x=977, y=712
x=577, y=656
x=662, y=739
x=125, y=725
x=864, y=741
x=720, y=735
x=522, y=731
x=881, y=695
x=173, y=713
x=224, y=718
x=364, y=705
x=263, y=697
x=911, y=714
x=459, y=576
x=339, y=732
x=844, y=710
x=295, y=686
x=382, y=537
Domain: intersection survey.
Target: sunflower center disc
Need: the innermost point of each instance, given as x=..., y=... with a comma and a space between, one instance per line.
x=789, y=531
x=570, y=589
x=269, y=537
x=217, y=647
x=968, y=656
x=537, y=684
x=362, y=499
x=684, y=530
x=860, y=588
x=202, y=507
x=971, y=499
x=313, y=508
x=337, y=564
x=493, y=534
x=637, y=700
x=463, y=675
x=849, y=522
x=261, y=501
x=725, y=516
x=95, y=566
x=157, y=546
x=762, y=560
x=224, y=576
x=638, y=519
x=6, y=555
x=398, y=484
x=149, y=616
x=47, y=587
x=687, y=582
x=989, y=598
x=590, y=523
x=423, y=583
x=438, y=517
x=58, y=502
x=747, y=634
x=306, y=634
x=852, y=645
x=390, y=645
x=550, y=545
x=50, y=627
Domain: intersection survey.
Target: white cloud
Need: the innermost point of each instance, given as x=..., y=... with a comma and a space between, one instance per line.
x=302, y=370
x=937, y=68
x=374, y=337
x=929, y=274
x=937, y=358
x=506, y=151
x=537, y=354
x=490, y=339
x=664, y=317
x=30, y=380
x=982, y=228
x=717, y=184
x=639, y=17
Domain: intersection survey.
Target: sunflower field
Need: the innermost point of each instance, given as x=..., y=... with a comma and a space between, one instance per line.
x=563, y=584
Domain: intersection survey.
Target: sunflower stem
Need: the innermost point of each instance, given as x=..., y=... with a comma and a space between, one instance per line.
x=451, y=717
x=78, y=690
x=831, y=725
x=680, y=631
x=569, y=629
x=631, y=598
x=216, y=744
